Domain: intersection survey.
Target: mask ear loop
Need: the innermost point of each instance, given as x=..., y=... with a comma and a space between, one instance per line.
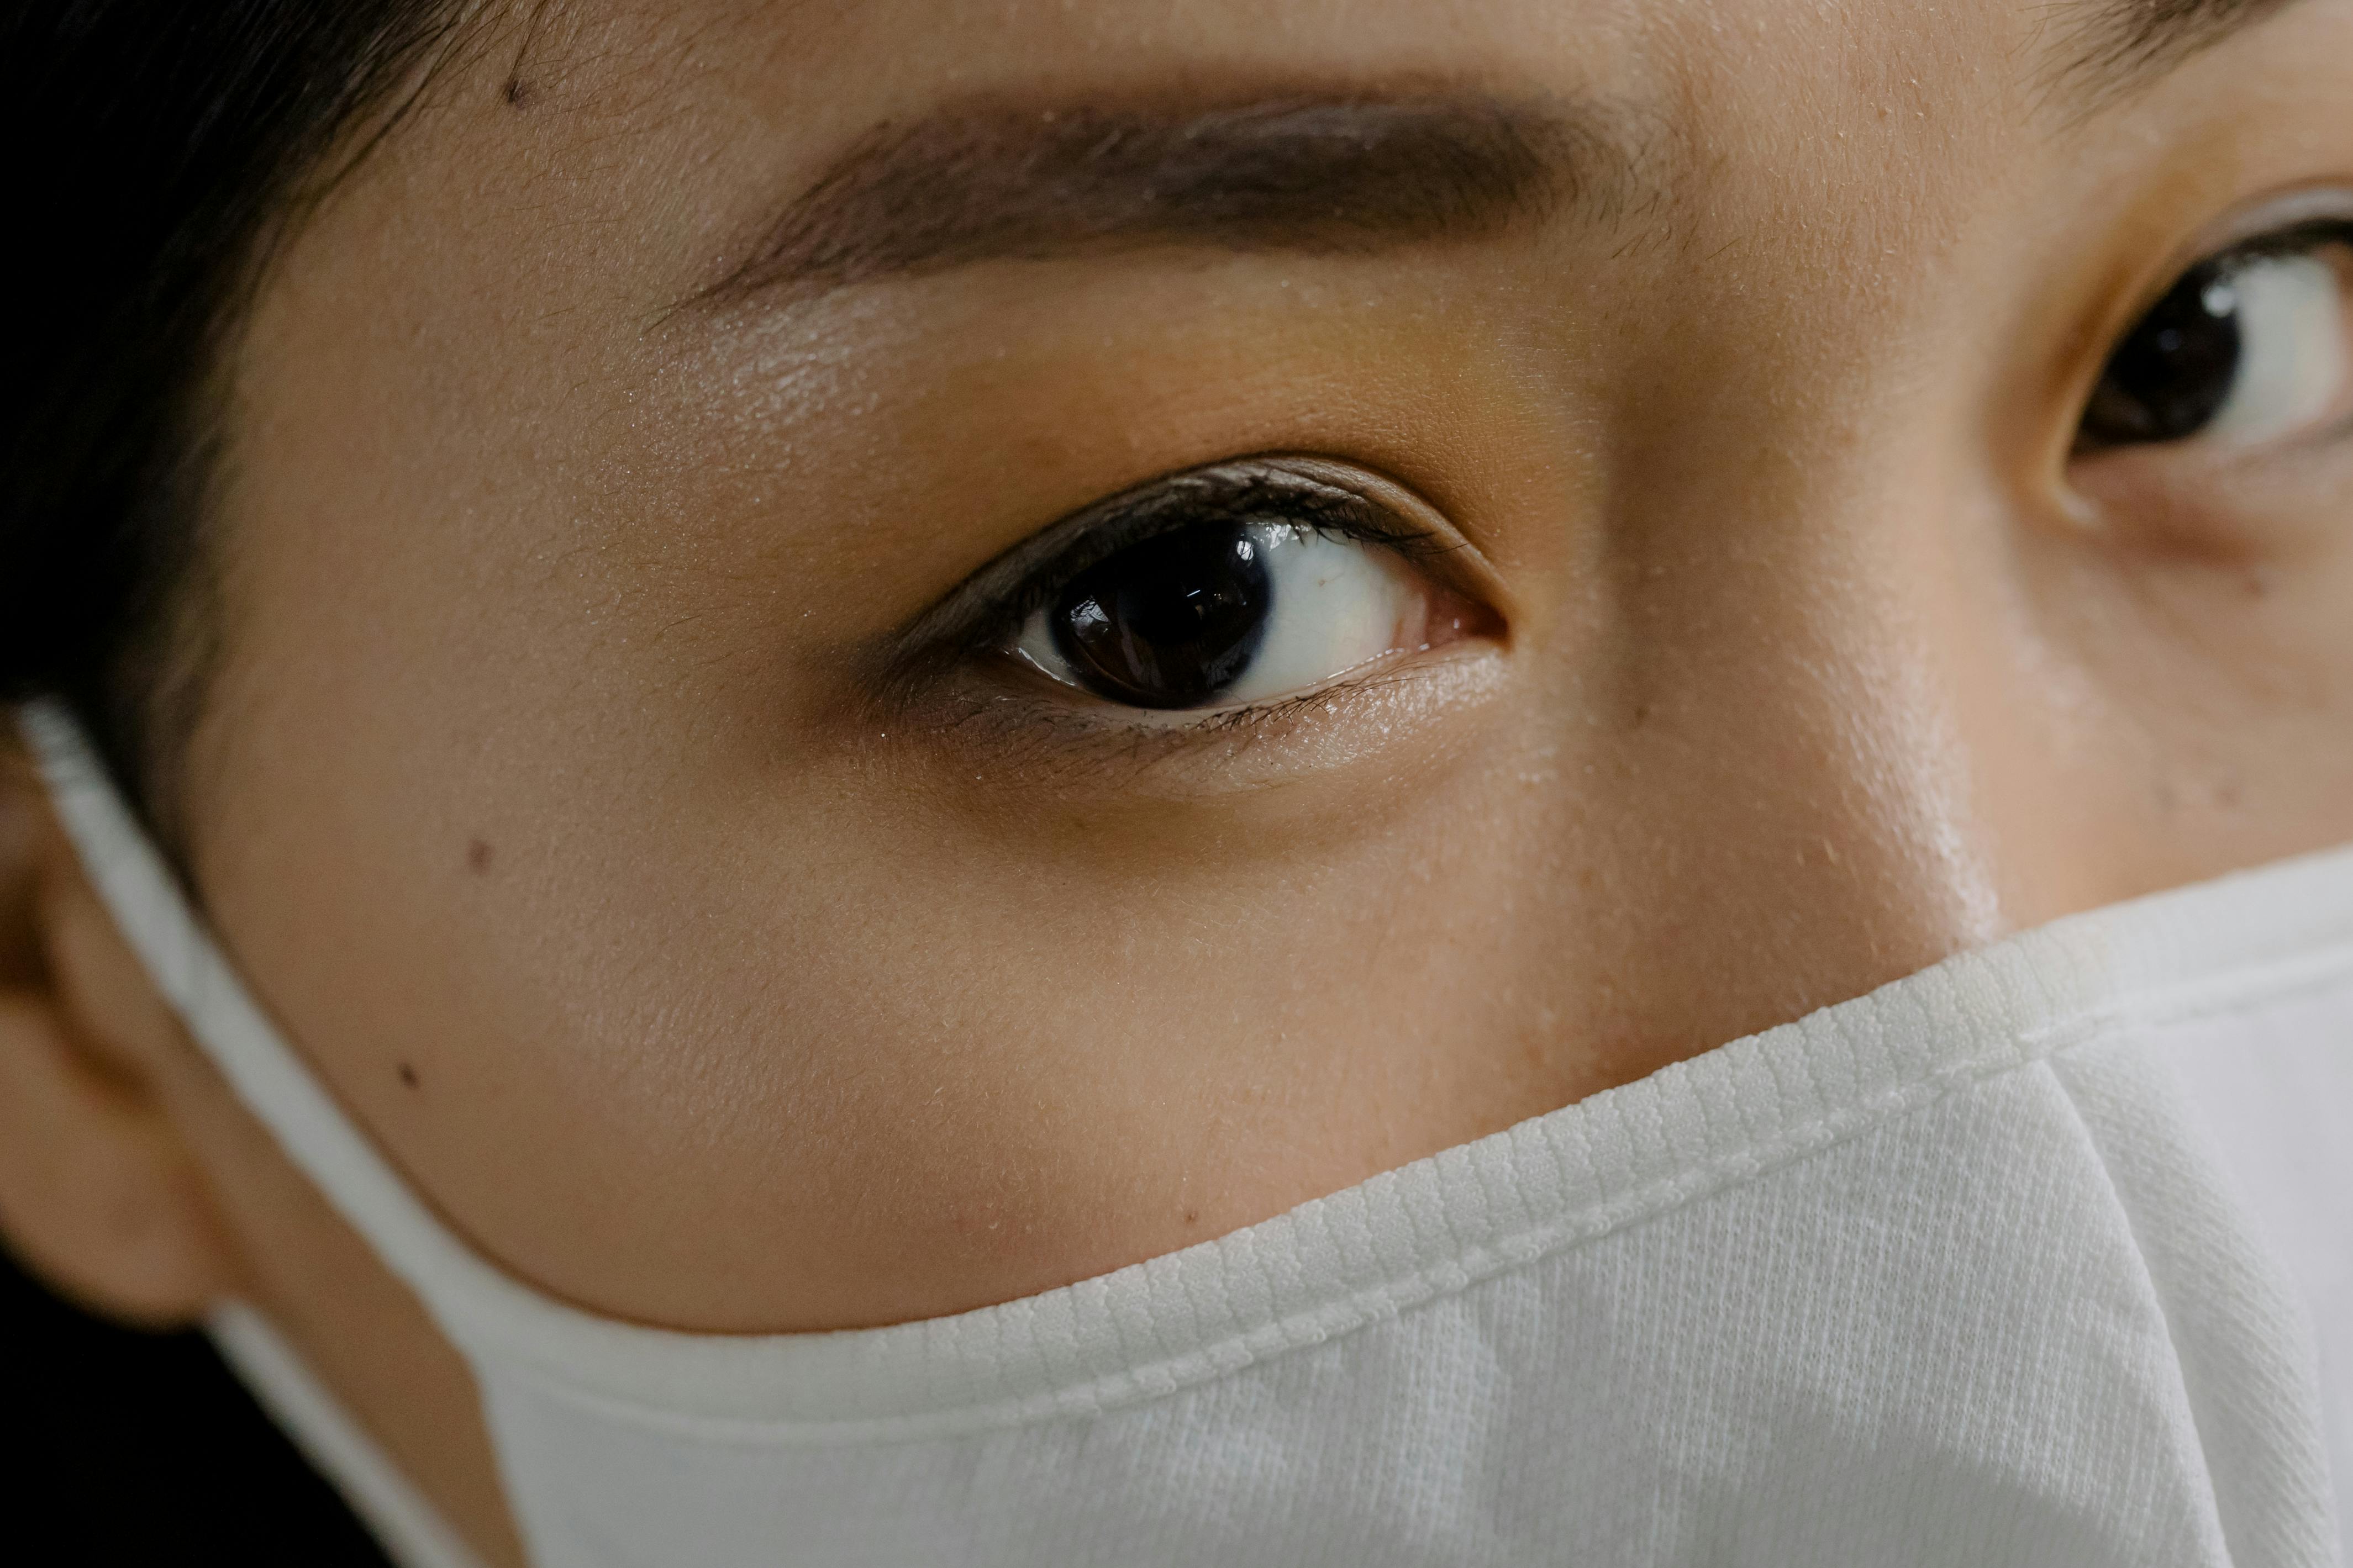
x=465, y=1294
x=410, y=1528
x=181, y=960
x=497, y=1322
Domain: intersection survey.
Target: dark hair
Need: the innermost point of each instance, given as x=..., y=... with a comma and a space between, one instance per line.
x=160, y=149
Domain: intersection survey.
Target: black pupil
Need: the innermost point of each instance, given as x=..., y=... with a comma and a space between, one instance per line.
x=1171, y=622
x=2168, y=380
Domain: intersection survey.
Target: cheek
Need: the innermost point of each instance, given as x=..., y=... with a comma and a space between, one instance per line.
x=2205, y=701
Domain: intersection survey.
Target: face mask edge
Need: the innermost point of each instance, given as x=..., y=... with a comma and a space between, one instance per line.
x=864, y=1380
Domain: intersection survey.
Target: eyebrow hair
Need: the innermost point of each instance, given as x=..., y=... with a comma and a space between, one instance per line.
x=2116, y=46
x=1333, y=174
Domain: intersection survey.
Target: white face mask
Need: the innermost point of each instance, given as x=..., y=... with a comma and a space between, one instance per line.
x=1948, y=1274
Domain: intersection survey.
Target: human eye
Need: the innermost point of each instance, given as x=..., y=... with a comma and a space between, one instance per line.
x=2249, y=348
x=1221, y=591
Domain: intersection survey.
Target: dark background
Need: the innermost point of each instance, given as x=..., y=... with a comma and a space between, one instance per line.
x=137, y=1449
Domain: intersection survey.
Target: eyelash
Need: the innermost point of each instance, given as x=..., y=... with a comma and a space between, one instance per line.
x=2301, y=238
x=2295, y=240
x=979, y=619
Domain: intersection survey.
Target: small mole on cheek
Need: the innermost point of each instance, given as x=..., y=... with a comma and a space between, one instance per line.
x=517, y=91
x=1192, y=1216
x=477, y=856
x=408, y=1075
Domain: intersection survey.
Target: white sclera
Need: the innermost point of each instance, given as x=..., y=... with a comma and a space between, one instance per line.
x=2295, y=361
x=1337, y=604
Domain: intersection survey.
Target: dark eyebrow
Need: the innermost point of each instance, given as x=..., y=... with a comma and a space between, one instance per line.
x=2114, y=47
x=983, y=181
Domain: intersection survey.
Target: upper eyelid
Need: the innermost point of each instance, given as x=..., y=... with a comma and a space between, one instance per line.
x=2284, y=221
x=2293, y=239
x=996, y=598
x=2298, y=221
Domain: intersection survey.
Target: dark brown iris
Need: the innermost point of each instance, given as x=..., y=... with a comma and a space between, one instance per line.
x=1171, y=622
x=2168, y=380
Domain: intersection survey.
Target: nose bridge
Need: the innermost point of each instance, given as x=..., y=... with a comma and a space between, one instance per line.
x=1803, y=535
x=1797, y=555
x=1803, y=551
x=1813, y=604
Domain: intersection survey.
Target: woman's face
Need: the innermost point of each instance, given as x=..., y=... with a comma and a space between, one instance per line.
x=692, y=756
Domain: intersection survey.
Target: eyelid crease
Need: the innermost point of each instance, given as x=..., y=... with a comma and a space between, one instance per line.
x=2299, y=221
x=2294, y=240
x=994, y=601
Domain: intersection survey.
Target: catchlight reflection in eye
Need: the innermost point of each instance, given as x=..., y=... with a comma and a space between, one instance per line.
x=2248, y=348
x=1227, y=613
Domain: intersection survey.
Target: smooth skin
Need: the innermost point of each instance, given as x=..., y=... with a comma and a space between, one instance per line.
x=545, y=794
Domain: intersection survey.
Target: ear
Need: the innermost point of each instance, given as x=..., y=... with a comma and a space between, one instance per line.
x=98, y=1193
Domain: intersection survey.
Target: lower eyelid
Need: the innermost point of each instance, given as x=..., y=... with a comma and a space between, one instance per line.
x=1061, y=716
x=2227, y=508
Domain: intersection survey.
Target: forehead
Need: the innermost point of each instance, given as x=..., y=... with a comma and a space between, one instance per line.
x=580, y=168
x=889, y=47
x=683, y=124
x=818, y=74
x=1789, y=176
x=629, y=146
